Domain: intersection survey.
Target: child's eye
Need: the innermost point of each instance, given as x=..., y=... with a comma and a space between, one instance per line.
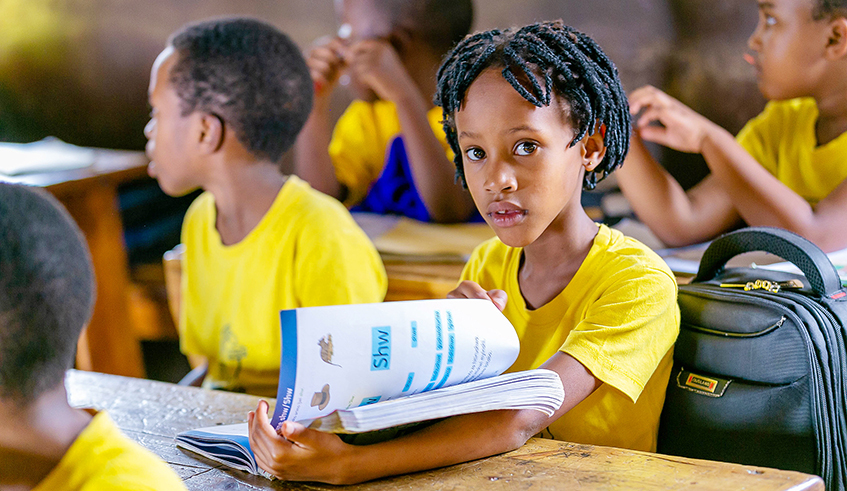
x=770, y=20
x=475, y=154
x=525, y=148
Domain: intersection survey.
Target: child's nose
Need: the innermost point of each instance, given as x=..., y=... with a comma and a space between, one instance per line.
x=501, y=177
x=754, y=42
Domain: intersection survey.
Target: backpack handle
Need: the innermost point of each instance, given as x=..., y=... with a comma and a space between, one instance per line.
x=812, y=261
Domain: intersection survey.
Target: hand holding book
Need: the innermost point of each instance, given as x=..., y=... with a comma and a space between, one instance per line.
x=361, y=368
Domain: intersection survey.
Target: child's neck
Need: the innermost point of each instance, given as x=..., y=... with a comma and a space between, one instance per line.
x=244, y=192
x=34, y=439
x=832, y=114
x=550, y=263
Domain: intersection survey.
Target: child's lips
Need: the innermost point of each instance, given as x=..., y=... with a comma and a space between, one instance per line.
x=751, y=60
x=505, y=214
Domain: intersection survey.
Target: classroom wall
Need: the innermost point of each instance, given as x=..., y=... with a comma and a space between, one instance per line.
x=78, y=69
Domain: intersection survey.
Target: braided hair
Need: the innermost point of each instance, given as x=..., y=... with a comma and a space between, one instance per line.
x=541, y=61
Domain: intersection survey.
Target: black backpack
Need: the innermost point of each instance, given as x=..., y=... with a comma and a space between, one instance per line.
x=759, y=365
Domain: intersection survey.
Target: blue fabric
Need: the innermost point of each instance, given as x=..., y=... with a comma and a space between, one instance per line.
x=394, y=192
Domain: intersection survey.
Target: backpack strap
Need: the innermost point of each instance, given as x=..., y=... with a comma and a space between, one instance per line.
x=812, y=261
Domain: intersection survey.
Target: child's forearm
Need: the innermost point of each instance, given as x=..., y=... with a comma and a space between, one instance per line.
x=760, y=198
x=452, y=441
x=658, y=200
x=311, y=156
x=432, y=171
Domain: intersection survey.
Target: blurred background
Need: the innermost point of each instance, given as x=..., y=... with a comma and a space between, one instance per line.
x=78, y=70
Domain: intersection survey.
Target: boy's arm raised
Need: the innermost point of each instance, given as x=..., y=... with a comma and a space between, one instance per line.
x=763, y=200
x=756, y=195
x=303, y=454
x=311, y=158
x=676, y=217
x=378, y=65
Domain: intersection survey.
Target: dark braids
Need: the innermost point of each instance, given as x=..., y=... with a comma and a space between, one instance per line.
x=542, y=61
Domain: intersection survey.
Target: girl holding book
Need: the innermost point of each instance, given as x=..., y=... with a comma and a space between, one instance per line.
x=534, y=115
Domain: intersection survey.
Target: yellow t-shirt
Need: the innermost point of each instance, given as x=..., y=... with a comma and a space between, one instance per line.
x=618, y=316
x=782, y=138
x=306, y=251
x=102, y=458
x=361, y=139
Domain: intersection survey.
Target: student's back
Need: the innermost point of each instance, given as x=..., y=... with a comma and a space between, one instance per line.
x=788, y=166
x=229, y=97
x=387, y=153
x=46, y=297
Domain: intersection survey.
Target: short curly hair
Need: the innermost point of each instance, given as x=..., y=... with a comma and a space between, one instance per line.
x=826, y=8
x=46, y=292
x=249, y=74
x=541, y=61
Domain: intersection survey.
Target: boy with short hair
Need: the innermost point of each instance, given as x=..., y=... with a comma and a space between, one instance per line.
x=46, y=297
x=788, y=166
x=229, y=97
x=387, y=153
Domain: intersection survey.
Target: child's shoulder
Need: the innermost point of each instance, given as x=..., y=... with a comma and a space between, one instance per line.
x=788, y=110
x=310, y=204
x=203, y=205
x=104, y=458
x=618, y=253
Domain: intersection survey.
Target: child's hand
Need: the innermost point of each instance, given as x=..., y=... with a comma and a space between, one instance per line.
x=326, y=62
x=296, y=453
x=375, y=63
x=469, y=289
x=681, y=127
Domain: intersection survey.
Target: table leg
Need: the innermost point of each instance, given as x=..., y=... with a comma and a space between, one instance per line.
x=112, y=346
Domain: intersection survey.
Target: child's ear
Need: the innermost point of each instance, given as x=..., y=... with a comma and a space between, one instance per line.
x=837, y=42
x=212, y=130
x=594, y=149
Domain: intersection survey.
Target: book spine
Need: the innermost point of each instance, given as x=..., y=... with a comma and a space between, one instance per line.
x=288, y=367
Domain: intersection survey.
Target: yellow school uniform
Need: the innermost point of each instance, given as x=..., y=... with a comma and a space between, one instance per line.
x=361, y=143
x=306, y=251
x=782, y=138
x=103, y=459
x=618, y=316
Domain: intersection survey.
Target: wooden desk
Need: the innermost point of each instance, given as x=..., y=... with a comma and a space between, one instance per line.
x=152, y=413
x=90, y=195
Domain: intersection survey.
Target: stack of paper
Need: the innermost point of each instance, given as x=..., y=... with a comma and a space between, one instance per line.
x=50, y=154
x=838, y=259
x=537, y=389
x=410, y=240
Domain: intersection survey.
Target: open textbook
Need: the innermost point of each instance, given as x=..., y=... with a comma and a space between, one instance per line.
x=368, y=367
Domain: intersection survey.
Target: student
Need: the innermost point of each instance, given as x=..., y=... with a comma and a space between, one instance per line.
x=387, y=153
x=46, y=298
x=534, y=115
x=228, y=98
x=788, y=166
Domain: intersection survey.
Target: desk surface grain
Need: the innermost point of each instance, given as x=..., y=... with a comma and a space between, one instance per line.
x=152, y=413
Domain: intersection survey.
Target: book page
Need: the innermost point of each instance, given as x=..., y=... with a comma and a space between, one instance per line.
x=838, y=259
x=345, y=356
